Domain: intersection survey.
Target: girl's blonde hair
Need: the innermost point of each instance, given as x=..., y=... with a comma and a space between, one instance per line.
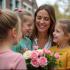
x=65, y=25
x=8, y=21
x=21, y=13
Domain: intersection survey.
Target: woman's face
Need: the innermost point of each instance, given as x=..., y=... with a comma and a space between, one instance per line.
x=42, y=21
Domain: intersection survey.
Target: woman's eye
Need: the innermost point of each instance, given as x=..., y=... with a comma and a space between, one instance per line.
x=38, y=17
x=46, y=18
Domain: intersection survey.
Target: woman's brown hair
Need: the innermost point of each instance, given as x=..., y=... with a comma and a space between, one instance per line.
x=51, y=13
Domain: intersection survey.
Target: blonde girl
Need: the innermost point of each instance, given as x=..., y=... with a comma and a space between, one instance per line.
x=9, y=32
x=62, y=39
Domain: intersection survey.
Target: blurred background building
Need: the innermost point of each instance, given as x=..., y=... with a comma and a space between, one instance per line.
x=27, y=5
x=62, y=7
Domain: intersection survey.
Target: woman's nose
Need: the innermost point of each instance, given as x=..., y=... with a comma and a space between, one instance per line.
x=41, y=21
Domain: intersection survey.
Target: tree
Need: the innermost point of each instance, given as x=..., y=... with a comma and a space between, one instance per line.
x=64, y=5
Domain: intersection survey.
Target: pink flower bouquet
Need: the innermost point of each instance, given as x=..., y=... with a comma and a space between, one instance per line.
x=41, y=59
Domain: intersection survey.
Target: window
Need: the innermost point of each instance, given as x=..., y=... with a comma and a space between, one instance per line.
x=0, y=3
x=17, y=3
x=11, y=4
x=24, y=6
x=29, y=9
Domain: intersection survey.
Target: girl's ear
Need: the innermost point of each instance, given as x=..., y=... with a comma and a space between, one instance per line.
x=14, y=33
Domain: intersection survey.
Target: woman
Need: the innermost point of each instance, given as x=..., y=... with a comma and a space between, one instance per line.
x=44, y=26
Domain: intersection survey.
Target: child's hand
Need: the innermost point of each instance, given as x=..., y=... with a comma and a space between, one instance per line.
x=35, y=47
x=25, y=49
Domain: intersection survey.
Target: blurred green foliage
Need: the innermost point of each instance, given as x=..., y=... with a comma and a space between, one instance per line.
x=59, y=15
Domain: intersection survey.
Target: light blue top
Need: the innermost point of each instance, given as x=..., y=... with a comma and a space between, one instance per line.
x=24, y=43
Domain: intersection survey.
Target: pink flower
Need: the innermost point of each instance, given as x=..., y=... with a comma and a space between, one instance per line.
x=40, y=52
x=34, y=55
x=56, y=55
x=35, y=47
x=47, y=51
x=42, y=61
x=35, y=63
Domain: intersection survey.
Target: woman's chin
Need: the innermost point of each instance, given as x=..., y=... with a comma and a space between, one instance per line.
x=42, y=30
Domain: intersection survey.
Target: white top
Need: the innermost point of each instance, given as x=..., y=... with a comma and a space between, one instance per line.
x=47, y=45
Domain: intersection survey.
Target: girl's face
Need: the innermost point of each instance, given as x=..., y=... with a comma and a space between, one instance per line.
x=27, y=25
x=58, y=35
x=42, y=21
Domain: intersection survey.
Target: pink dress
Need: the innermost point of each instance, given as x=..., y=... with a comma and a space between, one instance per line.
x=11, y=60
